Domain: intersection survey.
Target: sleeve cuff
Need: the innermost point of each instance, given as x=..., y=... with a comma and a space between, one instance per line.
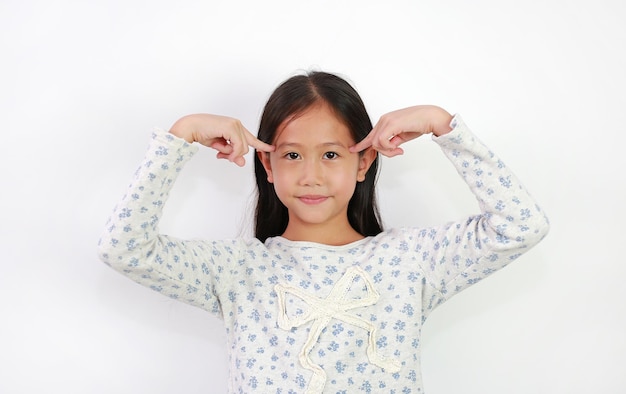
x=167, y=140
x=455, y=136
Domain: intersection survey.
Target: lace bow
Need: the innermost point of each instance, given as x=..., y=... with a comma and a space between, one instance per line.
x=335, y=306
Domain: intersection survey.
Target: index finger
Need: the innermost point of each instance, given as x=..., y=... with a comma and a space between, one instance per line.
x=363, y=144
x=257, y=143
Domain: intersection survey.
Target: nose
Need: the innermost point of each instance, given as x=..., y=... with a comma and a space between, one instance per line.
x=312, y=173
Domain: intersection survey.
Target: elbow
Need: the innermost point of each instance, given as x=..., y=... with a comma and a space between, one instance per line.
x=539, y=228
x=534, y=231
x=509, y=237
x=126, y=255
x=106, y=250
x=117, y=254
x=108, y=244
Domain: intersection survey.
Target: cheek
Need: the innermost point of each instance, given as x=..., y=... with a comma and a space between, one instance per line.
x=345, y=179
x=274, y=172
x=278, y=173
x=281, y=180
x=352, y=172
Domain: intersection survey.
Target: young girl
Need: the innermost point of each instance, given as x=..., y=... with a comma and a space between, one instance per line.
x=322, y=300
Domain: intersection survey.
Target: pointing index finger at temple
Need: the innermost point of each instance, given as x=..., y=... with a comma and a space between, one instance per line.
x=258, y=144
x=363, y=144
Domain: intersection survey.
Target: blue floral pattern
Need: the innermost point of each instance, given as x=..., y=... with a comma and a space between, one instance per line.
x=305, y=317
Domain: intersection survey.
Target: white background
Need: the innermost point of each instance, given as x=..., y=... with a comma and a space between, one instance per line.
x=83, y=83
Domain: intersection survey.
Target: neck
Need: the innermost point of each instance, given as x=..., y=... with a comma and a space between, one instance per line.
x=323, y=235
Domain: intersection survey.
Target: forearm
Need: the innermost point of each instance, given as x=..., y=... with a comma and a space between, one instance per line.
x=132, y=230
x=509, y=224
x=510, y=217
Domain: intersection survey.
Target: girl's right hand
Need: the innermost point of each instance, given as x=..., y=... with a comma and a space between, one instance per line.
x=226, y=135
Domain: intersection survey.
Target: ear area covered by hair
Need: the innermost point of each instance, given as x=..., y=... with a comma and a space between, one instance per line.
x=264, y=157
x=366, y=158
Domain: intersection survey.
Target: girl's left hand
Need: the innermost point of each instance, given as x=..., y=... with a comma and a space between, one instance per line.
x=397, y=127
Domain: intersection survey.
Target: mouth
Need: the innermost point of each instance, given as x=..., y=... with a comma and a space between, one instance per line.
x=312, y=199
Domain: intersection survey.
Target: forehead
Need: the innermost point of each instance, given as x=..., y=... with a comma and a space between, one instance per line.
x=317, y=125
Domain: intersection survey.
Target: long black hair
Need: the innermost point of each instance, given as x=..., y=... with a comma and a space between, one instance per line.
x=291, y=98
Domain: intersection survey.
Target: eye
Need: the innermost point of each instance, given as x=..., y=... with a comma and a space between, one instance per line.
x=331, y=155
x=292, y=156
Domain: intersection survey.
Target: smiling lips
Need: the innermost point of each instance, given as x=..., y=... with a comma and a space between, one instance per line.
x=312, y=199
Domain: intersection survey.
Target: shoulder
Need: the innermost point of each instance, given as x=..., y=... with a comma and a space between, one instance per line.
x=229, y=247
x=396, y=238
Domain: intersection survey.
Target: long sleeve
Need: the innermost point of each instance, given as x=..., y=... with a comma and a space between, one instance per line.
x=361, y=301
x=189, y=271
x=510, y=222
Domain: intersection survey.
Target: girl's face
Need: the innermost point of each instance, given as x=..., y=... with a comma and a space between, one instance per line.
x=314, y=174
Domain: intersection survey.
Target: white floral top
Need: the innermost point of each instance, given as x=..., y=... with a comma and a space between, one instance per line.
x=303, y=317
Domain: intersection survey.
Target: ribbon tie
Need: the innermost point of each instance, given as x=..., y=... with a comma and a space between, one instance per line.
x=335, y=306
